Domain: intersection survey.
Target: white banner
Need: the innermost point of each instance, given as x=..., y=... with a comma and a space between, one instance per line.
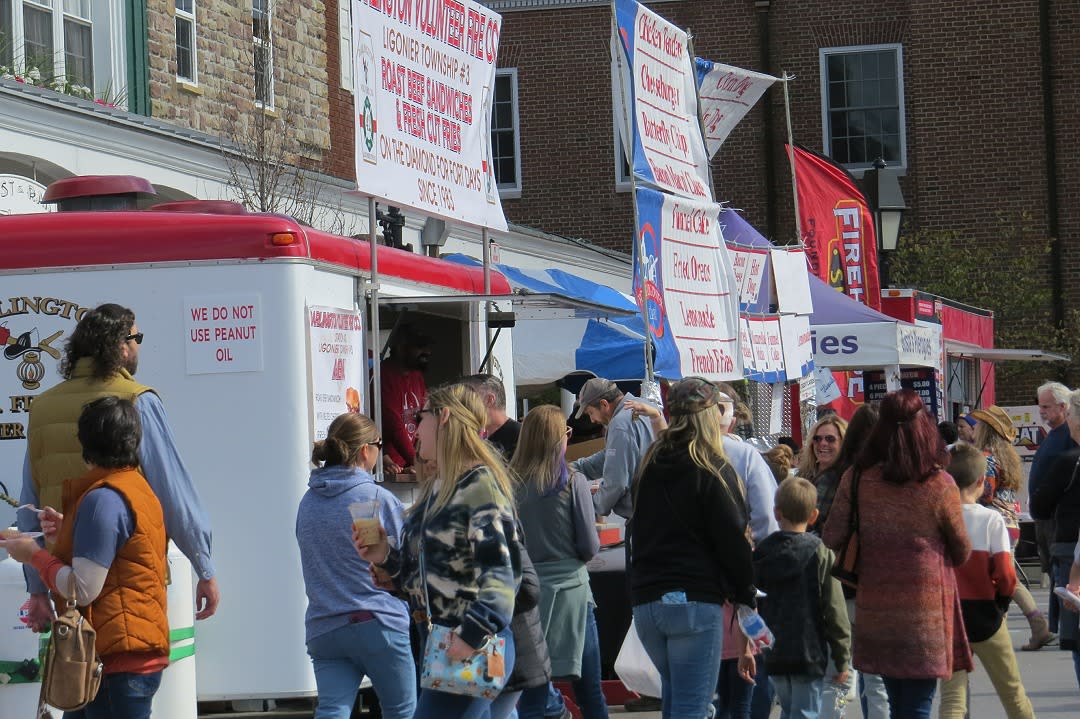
x=669, y=151
x=727, y=94
x=338, y=363
x=869, y=345
x=425, y=74
x=798, y=355
x=791, y=281
x=223, y=333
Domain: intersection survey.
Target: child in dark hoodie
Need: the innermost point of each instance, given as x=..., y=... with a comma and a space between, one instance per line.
x=804, y=606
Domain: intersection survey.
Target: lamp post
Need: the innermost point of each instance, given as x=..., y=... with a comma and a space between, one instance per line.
x=887, y=203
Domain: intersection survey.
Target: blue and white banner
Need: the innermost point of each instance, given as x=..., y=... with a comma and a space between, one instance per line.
x=727, y=93
x=659, y=101
x=685, y=285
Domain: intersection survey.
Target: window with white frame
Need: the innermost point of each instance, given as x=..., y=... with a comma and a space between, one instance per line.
x=623, y=179
x=862, y=93
x=505, y=134
x=345, y=49
x=186, y=64
x=261, y=20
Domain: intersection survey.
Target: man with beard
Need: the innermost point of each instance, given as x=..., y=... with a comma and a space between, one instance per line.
x=100, y=360
x=403, y=394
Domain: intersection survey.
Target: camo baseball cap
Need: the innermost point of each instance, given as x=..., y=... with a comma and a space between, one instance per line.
x=694, y=394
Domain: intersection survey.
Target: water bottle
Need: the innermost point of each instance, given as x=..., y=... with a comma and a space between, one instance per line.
x=754, y=627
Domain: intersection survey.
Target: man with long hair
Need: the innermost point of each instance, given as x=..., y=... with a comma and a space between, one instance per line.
x=100, y=360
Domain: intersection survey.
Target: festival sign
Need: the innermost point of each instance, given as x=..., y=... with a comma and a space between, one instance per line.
x=425, y=73
x=798, y=348
x=654, y=62
x=684, y=284
x=790, y=281
x=338, y=364
x=726, y=94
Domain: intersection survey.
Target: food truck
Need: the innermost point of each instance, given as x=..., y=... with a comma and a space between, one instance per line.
x=256, y=336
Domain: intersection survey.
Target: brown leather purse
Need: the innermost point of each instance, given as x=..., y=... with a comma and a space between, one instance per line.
x=846, y=567
x=71, y=673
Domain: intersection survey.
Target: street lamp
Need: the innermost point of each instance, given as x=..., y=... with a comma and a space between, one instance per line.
x=887, y=203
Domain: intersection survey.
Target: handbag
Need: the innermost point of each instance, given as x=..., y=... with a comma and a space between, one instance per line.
x=846, y=566
x=482, y=675
x=634, y=668
x=71, y=672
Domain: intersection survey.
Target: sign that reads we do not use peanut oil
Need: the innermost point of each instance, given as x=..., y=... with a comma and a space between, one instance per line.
x=223, y=333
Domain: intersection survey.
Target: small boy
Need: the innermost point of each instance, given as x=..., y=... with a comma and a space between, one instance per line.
x=985, y=583
x=804, y=606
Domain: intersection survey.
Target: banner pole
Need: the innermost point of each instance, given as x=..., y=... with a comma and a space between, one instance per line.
x=628, y=138
x=785, y=78
x=376, y=369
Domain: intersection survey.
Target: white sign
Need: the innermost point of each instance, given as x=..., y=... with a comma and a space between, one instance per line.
x=875, y=344
x=727, y=93
x=425, y=75
x=338, y=364
x=798, y=355
x=753, y=274
x=759, y=338
x=749, y=358
x=223, y=333
x=668, y=149
x=791, y=281
x=826, y=387
x=21, y=196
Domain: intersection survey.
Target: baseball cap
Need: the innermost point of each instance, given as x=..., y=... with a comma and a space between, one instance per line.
x=591, y=393
x=694, y=394
x=969, y=419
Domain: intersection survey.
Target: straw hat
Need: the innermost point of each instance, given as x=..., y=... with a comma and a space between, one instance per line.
x=998, y=420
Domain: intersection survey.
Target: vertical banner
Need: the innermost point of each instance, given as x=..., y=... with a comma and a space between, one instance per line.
x=654, y=62
x=687, y=291
x=837, y=227
x=338, y=364
x=798, y=345
x=791, y=281
x=425, y=74
x=727, y=93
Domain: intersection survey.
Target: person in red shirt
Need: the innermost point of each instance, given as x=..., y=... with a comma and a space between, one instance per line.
x=404, y=392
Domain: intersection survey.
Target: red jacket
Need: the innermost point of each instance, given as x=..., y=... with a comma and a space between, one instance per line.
x=403, y=395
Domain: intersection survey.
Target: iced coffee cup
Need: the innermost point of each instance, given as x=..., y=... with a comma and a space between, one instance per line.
x=365, y=519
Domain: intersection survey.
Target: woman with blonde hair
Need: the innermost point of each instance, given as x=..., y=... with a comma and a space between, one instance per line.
x=994, y=435
x=689, y=551
x=823, y=449
x=353, y=627
x=558, y=518
x=464, y=530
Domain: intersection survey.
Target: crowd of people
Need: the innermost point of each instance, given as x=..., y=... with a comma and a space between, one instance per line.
x=488, y=564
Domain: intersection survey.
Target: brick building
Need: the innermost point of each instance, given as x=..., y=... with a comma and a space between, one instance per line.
x=971, y=101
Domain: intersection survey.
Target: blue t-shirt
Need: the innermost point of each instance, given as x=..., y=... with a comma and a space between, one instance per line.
x=103, y=524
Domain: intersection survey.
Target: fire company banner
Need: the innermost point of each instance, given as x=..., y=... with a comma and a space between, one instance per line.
x=727, y=93
x=685, y=285
x=425, y=73
x=837, y=227
x=660, y=105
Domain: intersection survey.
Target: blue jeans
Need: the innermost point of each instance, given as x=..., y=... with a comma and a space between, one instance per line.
x=733, y=695
x=505, y=706
x=910, y=698
x=343, y=656
x=547, y=701
x=1068, y=622
x=122, y=696
x=800, y=696
x=684, y=640
x=761, y=702
x=433, y=704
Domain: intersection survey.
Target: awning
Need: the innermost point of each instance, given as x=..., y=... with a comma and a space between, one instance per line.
x=525, y=306
x=992, y=354
x=610, y=344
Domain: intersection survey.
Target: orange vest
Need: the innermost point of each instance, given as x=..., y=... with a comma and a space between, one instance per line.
x=130, y=613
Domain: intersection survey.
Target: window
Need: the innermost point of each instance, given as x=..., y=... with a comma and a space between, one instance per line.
x=862, y=91
x=345, y=50
x=38, y=37
x=505, y=140
x=623, y=175
x=261, y=20
x=185, y=41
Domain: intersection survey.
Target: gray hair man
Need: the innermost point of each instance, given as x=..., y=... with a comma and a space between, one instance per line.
x=501, y=430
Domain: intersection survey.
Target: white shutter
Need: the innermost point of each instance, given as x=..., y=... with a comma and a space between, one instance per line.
x=345, y=44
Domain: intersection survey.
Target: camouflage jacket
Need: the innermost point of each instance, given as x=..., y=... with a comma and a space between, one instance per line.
x=472, y=556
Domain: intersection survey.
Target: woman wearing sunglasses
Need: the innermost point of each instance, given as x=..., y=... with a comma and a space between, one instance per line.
x=557, y=515
x=353, y=627
x=823, y=449
x=463, y=529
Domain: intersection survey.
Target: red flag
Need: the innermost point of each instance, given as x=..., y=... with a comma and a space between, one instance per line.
x=837, y=227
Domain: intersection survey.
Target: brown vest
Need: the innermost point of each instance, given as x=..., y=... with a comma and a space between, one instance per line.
x=130, y=614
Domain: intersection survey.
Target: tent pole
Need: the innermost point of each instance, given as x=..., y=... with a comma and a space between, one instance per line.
x=785, y=78
x=376, y=370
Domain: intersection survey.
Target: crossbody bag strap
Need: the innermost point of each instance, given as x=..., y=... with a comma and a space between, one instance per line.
x=1072, y=479
x=853, y=524
x=423, y=565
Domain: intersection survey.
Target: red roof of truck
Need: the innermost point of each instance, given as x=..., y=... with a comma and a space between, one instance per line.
x=91, y=239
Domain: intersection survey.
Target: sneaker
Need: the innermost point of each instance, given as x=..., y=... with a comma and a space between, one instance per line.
x=643, y=704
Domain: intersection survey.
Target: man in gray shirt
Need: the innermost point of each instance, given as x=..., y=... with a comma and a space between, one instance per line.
x=626, y=441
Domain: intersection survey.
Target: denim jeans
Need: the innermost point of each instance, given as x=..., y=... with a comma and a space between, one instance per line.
x=343, y=656
x=684, y=639
x=505, y=706
x=122, y=696
x=733, y=695
x=547, y=701
x=1068, y=622
x=761, y=703
x=800, y=696
x=433, y=704
x=910, y=698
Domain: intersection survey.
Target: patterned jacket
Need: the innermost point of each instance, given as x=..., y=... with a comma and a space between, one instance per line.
x=471, y=554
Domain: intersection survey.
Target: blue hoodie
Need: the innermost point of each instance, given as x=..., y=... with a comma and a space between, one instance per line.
x=336, y=579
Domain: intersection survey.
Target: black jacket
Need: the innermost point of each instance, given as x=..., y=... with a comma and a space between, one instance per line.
x=804, y=606
x=1058, y=496
x=532, y=667
x=688, y=534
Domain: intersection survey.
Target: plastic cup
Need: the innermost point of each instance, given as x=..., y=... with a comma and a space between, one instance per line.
x=365, y=519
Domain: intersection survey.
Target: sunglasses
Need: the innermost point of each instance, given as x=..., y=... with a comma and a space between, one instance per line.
x=569, y=432
x=138, y=337
x=827, y=439
x=376, y=443
x=420, y=415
